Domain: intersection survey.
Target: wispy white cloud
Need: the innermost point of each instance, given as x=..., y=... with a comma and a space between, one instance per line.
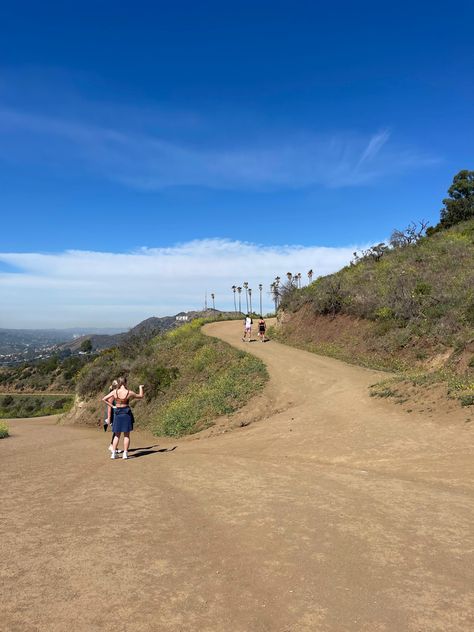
x=149, y=160
x=75, y=288
x=374, y=146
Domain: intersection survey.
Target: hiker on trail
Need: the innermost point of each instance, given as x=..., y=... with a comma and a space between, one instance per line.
x=123, y=415
x=247, y=328
x=109, y=416
x=262, y=327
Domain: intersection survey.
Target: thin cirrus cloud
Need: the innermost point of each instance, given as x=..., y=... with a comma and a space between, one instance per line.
x=149, y=161
x=81, y=288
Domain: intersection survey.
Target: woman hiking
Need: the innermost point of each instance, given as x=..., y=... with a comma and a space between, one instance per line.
x=262, y=327
x=123, y=415
x=109, y=416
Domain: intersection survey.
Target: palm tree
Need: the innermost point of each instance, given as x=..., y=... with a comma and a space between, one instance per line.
x=310, y=276
x=213, y=304
x=260, y=288
x=250, y=299
x=233, y=290
x=246, y=287
x=274, y=292
x=239, y=290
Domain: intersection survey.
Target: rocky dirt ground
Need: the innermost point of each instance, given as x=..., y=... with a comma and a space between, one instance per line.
x=314, y=508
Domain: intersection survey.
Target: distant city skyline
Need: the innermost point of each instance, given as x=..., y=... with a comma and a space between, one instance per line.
x=134, y=133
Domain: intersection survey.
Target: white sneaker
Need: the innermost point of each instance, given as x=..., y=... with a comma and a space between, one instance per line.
x=125, y=455
x=113, y=455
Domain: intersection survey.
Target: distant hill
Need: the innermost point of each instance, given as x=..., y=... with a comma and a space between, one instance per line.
x=55, y=368
x=146, y=329
x=15, y=340
x=24, y=345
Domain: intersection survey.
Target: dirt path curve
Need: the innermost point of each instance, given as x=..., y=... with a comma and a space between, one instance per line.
x=333, y=512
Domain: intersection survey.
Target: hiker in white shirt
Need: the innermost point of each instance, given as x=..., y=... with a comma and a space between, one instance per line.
x=247, y=329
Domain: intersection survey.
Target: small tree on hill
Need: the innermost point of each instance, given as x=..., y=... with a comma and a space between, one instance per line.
x=86, y=346
x=409, y=236
x=459, y=206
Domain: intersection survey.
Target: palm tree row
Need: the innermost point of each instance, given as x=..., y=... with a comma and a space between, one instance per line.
x=294, y=280
x=248, y=296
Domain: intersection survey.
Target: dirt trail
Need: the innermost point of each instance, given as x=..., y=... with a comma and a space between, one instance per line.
x=332, y=512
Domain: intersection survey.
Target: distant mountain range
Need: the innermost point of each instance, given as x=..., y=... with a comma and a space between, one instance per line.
x=24, y=345
x=29, y=341
x=146, y=329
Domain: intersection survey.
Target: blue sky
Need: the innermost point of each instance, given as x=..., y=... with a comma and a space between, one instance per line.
x=128, y=126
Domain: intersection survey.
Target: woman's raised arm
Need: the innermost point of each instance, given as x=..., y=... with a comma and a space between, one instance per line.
x=138, y=395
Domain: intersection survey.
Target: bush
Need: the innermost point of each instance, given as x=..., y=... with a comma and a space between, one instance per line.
x=3, y=430
x=7, y=401
x=98, y=375
x=157, y=378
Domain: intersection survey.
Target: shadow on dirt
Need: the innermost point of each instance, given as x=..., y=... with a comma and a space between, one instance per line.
x=138, y=452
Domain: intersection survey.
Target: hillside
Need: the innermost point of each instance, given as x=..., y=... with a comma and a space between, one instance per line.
x=407, y=308
x=190, y=379
x=147, y=328
x=56, y=368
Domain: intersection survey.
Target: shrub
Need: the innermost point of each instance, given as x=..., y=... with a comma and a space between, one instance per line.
x=3, y=430
x=467, y=400
x=98, y=375
x=384, y=313
x=157, y=378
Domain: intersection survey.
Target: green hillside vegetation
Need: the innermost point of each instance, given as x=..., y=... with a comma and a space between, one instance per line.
x=56, y=374
x=12, y=406
x=405, y=307
x=190, y=379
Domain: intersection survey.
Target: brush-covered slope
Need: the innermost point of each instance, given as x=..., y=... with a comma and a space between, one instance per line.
x=407, y=307
x=190, y=379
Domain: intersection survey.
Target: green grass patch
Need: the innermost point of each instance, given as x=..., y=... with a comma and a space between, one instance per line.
x=223, y=393
x=14, y=405
x=338, y=351
x=458, y=387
